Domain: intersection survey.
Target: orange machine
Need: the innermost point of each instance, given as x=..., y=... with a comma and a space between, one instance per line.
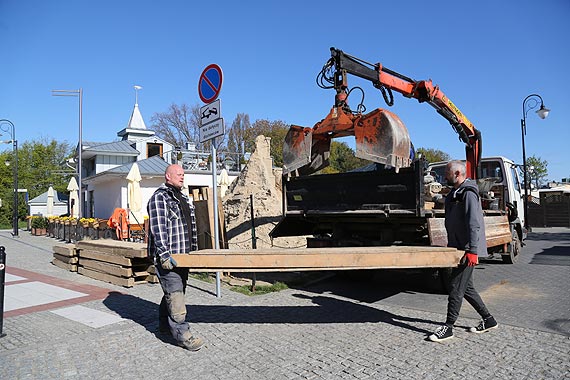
x=380, y=135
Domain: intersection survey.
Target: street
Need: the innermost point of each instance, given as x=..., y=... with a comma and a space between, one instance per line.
x=373, y=326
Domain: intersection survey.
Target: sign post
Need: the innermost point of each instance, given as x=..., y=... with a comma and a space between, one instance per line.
x=209, y=87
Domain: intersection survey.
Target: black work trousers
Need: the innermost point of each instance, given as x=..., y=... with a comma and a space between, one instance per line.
x=461, y=286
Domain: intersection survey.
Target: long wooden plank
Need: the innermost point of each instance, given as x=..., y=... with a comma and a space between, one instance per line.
x=66, y=259
x=89, y=254
x=100, y=266
x=66, y=266
x=114, y=247
x=267, y=260
x=497, y=231
x=65, y=250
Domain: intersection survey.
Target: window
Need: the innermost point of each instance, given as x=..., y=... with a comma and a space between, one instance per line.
x=153, y=149
x=492, y=169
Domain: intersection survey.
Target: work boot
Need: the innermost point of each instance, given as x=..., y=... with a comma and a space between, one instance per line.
x=192, y=344
x=485, y=325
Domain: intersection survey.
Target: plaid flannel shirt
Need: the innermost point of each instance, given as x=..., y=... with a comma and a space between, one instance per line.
x=168, y=230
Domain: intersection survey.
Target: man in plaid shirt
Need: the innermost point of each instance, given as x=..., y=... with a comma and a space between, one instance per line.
x=172, y=230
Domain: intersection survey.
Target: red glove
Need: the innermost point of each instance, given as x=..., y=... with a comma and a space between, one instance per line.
x=472, y=259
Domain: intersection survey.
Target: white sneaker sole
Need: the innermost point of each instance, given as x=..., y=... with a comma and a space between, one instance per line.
x=434, y=338
x=475, y=331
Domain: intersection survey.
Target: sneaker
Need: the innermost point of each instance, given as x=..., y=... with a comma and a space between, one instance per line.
x=442, y=333
x=485, y=325
x=192, y=344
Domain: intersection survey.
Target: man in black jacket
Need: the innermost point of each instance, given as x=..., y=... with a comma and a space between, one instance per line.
x=465, y=231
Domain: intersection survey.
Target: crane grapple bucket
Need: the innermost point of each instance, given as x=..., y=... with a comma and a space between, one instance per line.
x=304, y=153
x=382, y=137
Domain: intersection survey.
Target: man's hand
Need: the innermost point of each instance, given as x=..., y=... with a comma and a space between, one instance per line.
x=472, y=259
x=168, y=263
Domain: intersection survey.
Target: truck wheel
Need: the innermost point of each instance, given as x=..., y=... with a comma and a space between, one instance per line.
x=514, y=249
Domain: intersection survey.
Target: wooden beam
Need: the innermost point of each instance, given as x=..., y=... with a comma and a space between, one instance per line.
x=283, y=260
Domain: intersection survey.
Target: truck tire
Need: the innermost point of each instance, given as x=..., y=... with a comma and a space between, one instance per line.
x=513, y=249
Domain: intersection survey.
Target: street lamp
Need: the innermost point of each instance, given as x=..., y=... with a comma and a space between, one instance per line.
x=529, y=103
x=78, y=93
x=14, y=142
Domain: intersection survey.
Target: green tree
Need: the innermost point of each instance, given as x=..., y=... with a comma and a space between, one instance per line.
x=244, y=133
x=342, y=158
x=39, y=166
x=537, y=170
x=433, y=155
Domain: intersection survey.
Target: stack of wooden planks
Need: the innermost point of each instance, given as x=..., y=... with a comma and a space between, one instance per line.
x=118, y=262
x=65, y=257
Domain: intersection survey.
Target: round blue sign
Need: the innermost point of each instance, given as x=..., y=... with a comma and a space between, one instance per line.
x=210, y=83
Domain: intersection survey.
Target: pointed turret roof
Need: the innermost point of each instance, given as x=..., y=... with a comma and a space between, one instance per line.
x=136, y=126
x=136, y=121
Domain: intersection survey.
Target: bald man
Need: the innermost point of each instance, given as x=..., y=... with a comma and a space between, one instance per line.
x=172, y=230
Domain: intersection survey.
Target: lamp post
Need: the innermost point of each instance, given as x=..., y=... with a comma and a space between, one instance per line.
x=529, y=103
x=14, y=143
x=78, y=93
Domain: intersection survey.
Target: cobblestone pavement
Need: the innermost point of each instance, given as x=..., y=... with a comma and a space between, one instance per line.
x=310, y=333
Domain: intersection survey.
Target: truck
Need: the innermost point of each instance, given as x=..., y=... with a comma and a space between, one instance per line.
x=396, y=200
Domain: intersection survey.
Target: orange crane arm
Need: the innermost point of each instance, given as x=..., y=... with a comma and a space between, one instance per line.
x=423, y=91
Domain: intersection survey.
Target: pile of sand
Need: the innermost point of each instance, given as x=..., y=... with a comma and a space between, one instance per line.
x=260, y=180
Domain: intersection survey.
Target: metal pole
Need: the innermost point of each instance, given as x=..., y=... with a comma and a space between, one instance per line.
x=253, y=239
x=216, y=227
x=78, y=93
x=542, y=113
x=15, y=173
x=2, y=281
x=525, y=201
x=79, y=167
x=15, y=169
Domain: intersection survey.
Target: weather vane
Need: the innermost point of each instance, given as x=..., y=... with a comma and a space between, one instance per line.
x=137, y=88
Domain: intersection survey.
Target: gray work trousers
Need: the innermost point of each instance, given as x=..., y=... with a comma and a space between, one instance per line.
x=461, y=286
x=172, y=309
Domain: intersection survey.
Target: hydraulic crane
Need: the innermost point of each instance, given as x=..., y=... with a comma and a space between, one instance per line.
x=380, y=135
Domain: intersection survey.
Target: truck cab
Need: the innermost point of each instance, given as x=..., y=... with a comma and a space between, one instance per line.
x=500, y=180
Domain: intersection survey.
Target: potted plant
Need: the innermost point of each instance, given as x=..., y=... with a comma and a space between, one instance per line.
x=39, y=225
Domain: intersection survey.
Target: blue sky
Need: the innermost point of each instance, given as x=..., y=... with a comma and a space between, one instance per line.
x=486, y=56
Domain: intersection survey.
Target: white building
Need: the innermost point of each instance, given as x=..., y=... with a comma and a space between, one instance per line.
x=106, y=165
x=38, y=205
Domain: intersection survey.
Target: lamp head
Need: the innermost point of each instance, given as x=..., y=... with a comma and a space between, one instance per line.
x=543, y=112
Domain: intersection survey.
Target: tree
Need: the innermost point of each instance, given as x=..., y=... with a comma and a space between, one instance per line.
x=244, y=134
x=342, y=158
x=276, y=130
x=433, y=155
x=39, y=166
x=537, y=170
x=238, y=132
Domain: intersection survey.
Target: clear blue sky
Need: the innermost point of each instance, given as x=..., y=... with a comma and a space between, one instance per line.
x=486, y=56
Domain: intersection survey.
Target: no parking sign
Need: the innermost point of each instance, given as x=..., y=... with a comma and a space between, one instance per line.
x=210, y=83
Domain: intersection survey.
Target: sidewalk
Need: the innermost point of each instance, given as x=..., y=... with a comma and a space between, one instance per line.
x=108, y=332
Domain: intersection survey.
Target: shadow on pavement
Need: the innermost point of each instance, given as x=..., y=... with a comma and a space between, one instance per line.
x=375, y=285
x=138, y=310
x=324, y=310
x=557, y=255
x=548, y=236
